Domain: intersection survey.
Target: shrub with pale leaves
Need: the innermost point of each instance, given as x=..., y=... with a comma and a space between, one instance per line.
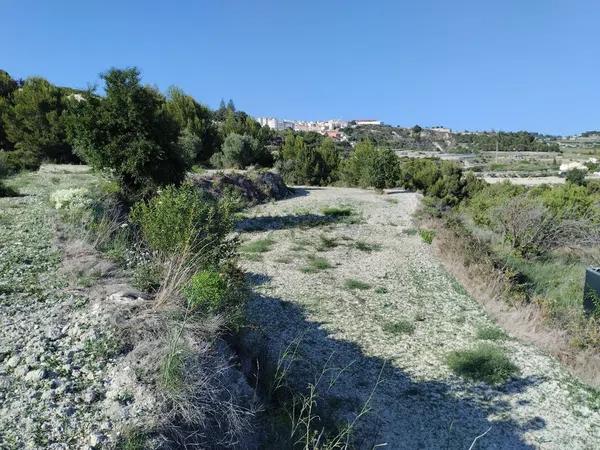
x=70, y=199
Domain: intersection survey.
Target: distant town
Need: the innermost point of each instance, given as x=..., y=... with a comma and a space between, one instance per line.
x=329, y=127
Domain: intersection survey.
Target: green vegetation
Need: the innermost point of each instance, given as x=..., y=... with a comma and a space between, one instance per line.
x=366, y=246
x=130, y=133
x=354, y=284
x=401, y=326
x=208, y=291
x=316, y=264
x=491, y=333
x=427, y=235
x=258, y=246
x=184, y=219
x=485, y=362
x=338, y=211
x=520, y=141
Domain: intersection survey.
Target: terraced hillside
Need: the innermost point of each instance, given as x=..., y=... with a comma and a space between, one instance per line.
x=351, y=299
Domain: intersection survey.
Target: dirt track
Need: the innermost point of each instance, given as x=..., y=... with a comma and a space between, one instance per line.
x=418, y=403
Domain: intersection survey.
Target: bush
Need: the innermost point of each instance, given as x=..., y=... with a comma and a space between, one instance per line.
x=576, y=177
x=207, y=291
x=485, y=362
x=182, y=219
x=241, y=151
x=6, y=191
x=427, y=235
x=130, y=134
x=368, y=166
x=491, y=333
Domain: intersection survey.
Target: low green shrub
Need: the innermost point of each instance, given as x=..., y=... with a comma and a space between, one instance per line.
x=182, y=219
x=490, y=333
x=315, y=264
x=485, y=362
x=427, y=235
x=338, y=211
x=207, y=291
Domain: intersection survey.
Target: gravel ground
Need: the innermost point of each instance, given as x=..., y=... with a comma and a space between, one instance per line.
x=63, y=384
x=344, y=333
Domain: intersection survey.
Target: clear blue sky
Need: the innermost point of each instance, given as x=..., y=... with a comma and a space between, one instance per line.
x=466, y=64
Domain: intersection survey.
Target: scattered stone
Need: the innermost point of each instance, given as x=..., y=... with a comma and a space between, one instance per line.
x=36, y=375
x=13, y=361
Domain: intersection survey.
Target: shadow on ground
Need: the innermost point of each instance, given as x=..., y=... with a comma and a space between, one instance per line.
x=265, y=223
x=404, y=413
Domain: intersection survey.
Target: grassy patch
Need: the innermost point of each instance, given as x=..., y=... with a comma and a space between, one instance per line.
x=258, y=246
x=338, y=211
x=326, y=243
x=171, y=369
x=427, y=235
x=103, y=348
x=485, y=362
x=354, y=284
x=491, y=333
x=401, y=326
x=316, y=264
x=366, y=246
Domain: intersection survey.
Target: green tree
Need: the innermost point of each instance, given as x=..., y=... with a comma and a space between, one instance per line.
x=237, y=152
x=130, y=134
x=331, y=158
x=35, y=122
x=197, y=132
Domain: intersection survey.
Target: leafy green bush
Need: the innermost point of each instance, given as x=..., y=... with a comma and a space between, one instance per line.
x=485, y=362
x=427, y=235
x=240, y=151
x=185, y=219
x=130, y=134
x=368, y=166
x=576, y=177
x=207, y=291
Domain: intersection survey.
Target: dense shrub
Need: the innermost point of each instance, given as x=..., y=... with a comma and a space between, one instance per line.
x=184, y=219
x=207, y=291
x=368, y=166
x=241, y=151
x=491, y=196
x=576, y=176
x=130, y=134
x=443, y=182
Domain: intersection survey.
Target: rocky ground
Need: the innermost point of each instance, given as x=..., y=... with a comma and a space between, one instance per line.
x=63, y=381
x=337, y=286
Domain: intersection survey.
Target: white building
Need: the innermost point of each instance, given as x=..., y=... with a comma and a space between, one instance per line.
x=362, y=122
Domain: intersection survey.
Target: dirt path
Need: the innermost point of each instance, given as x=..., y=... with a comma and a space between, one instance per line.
x=382, y=274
